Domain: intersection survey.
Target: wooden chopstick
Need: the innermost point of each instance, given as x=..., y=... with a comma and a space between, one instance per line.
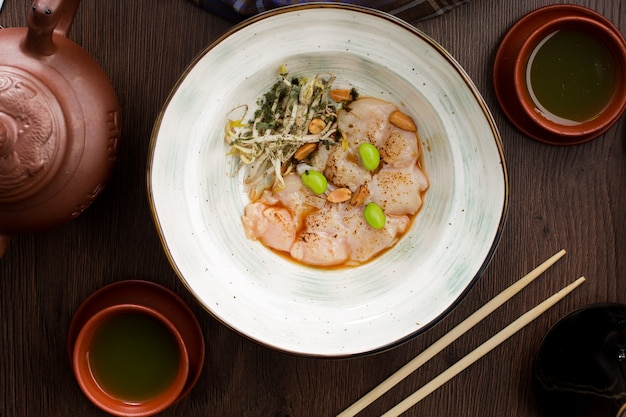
x=449, y=337
x=481, y=350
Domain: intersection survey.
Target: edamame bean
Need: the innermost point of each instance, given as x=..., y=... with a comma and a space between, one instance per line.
x=375, y=216
x=314, y=180
x=370, y=157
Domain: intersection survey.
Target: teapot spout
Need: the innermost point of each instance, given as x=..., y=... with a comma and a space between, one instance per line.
x=4, y=243
x=48, y=17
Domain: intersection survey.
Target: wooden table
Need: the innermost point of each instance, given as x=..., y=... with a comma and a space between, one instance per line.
x=560, y=197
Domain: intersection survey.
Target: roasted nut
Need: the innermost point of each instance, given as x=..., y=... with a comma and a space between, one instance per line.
x=304, y=151
x=339, y=195
x=316, y=126
x=402, y=121
x=359, y=196
x=340, y=95
x=286, y=168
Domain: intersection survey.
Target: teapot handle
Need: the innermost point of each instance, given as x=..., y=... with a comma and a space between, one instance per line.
x=67, y=17
x=4, y=244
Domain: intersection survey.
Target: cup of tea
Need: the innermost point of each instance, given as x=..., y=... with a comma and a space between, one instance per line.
x=130, y=360
x=560, y=74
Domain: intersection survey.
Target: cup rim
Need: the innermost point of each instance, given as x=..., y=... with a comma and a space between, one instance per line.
x=101, y=398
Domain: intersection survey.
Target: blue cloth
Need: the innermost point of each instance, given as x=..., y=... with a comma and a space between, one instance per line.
x=409, y=10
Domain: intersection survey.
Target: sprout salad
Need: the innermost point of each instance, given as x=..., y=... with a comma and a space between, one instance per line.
x=294, y=112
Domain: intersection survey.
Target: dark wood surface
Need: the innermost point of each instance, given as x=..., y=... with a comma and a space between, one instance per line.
x=560, y=197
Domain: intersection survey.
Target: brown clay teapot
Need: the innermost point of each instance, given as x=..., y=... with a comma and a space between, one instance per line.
x=59, y=123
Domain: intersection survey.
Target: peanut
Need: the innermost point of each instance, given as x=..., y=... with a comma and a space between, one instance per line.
x=285, y=168
x=339, y=195
x=304, y=151
x=359, y=196
x=316, y=126
x=340, y=95
x=402, y=121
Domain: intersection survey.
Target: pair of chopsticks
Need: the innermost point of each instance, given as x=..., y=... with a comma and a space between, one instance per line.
x=457, y=332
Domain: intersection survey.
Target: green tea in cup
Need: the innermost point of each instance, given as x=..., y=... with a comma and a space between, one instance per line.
x=571, y=76
x=130, y=360
x=134, y=357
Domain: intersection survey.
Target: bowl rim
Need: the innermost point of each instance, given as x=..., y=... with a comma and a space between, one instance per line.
x=449, y=59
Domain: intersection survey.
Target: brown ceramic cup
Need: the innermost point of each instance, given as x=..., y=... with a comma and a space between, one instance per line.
x=510, y=73
x=106, y=399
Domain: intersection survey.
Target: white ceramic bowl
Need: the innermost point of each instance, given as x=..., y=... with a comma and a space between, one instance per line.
x=197, y=197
